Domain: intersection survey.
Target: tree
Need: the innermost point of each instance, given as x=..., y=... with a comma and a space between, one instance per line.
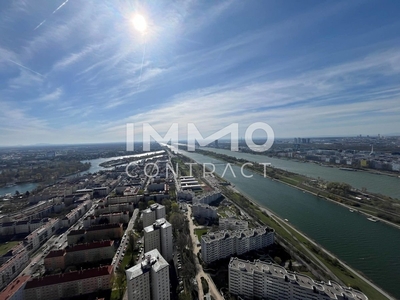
x=119, y=281
x=290, y=265
x=278, y=260
x=138, y=226
x=183, y=240
x=142, y=205
x=177, y=220
x=16, y=193
x=167, y=204
x=27, y=194
x=174, y=207
x=151, y=202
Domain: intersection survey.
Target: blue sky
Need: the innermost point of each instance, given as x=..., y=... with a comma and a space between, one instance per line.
x=77, y=71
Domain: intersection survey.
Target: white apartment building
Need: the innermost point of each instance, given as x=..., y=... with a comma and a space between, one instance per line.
x=262, y=280
x=69, y=284
x=113, y=208
x=13, y=266
x=154, y=212
x=76, y=213
x=201, y=210
x=232, y=224
x=37, y=237
x=149, y=280
x=126, y=199
x=185, y=195
x=113, y=218
x=222, y=244
x=159, y=236
x=207, y=198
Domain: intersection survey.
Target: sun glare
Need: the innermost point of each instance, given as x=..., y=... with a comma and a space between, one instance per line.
x=139, y=22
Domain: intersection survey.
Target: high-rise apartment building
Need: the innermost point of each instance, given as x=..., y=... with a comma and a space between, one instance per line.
x=159, y=236
x=153, y=213
x=149, y=280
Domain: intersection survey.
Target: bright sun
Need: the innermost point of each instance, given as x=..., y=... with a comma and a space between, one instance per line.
x=139, y=22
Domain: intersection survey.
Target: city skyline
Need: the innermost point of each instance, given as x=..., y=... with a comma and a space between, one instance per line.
x=74, y=72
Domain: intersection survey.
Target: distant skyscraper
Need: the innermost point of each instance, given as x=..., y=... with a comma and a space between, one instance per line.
x=149, y=280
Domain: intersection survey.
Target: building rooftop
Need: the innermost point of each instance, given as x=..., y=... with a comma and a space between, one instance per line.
x=66, y=277
x=55, y=253
x=153, y=260
x=88, y=246
x=153, y=207
x=77, y=232
x=103, y=226
x=159, y=223
x=332, y=289
x=223, y=234
x=233, y=221
x=13, y=287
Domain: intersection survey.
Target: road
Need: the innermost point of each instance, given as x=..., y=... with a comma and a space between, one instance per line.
x=119, y=255
x=55, y=242
x=200, y=272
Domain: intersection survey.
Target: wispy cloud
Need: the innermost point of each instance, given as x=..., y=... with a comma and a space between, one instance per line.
x=326, y=97
x=293, y=66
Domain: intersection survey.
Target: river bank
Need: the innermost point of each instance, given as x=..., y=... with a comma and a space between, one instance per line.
x=324, y=164
x=351, y=208
x=361, y=207
x=284, y=223
x=365, y=181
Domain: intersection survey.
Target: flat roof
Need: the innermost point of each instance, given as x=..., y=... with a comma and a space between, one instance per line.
x=103, y=226
x=157, y=224
x=224, y=234
x=13, y=287
x=55, y=253
x=153, y=260
x=87, y=246
x=77, y=232
x=70, y=276
x=332, y=289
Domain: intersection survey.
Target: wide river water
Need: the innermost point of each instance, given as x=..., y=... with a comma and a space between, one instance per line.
x=372, y=248
x=382, y=184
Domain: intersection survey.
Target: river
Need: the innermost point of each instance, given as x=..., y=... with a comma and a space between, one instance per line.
x=372, y=248
x=381, y=184
x=22, y=188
